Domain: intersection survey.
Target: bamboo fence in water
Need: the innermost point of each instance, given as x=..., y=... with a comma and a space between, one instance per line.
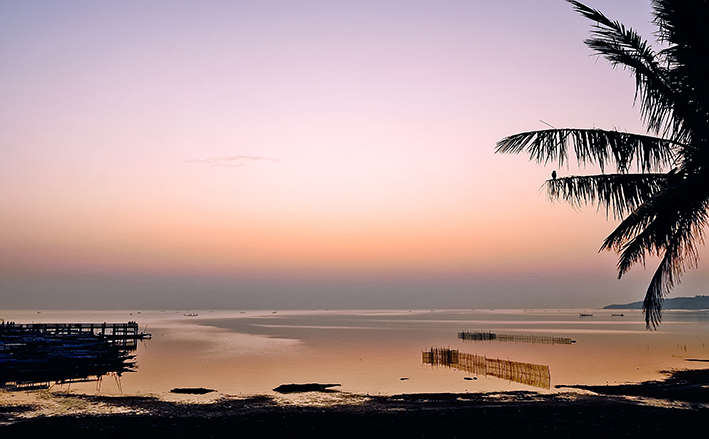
x=536, y=375
x=491, y=336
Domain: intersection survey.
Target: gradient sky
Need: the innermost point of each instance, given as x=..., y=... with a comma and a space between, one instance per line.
x=300, y=154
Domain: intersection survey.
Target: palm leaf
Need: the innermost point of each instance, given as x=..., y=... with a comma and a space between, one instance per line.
x=592, y=146
x=619, y=193
x=664, y=214
x=669, y=224
x=624, y=47
x=681, y=254
x=682, y=26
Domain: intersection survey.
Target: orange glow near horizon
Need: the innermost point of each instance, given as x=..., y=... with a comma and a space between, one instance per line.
x=262, y=137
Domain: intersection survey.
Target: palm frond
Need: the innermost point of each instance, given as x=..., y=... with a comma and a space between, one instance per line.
x=663, y=214
x=593, y=146
x=655, y=237
x=680, y=255
x=662, y=281
x=623, y=46
x=642, y=217
x=670, y=223
x=680, y=195
x=681, y=26
x=617, y=193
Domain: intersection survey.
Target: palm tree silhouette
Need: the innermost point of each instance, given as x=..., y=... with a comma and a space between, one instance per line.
x=660, y=188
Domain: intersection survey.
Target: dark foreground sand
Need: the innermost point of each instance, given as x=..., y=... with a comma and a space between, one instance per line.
x=617, y=411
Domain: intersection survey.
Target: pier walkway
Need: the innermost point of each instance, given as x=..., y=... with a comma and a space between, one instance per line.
x=109, y=331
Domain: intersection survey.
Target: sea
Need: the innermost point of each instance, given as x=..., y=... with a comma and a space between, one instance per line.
x=385, y=352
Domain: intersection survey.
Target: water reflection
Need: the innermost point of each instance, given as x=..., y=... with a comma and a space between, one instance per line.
x=536, y=375
x=369, y=351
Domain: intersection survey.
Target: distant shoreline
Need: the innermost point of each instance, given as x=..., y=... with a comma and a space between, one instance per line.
x=674, y=303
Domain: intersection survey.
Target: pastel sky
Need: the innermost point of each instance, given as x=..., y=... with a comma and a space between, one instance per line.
x=300, y=154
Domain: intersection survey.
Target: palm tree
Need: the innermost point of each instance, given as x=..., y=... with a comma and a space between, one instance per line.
x=660, y=189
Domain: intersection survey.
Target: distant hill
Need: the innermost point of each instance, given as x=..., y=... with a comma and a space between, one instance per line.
x=696, y=302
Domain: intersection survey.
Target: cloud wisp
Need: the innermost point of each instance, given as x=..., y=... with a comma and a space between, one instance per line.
x=232, y=161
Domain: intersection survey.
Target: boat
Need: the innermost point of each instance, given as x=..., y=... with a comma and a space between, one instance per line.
x=190, y=314
x=585, y=315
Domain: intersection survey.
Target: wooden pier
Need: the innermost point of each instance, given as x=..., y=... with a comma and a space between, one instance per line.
x=108, y=331
x=38, y=355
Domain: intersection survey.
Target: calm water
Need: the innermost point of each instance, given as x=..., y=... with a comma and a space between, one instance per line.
x=251, y=352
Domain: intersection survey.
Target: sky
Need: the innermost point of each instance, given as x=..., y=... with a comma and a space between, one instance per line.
x=278, y=154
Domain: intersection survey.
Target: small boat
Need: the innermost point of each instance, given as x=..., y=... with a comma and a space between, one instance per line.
x=617, y=315
x=191, y=314
x=585, y=315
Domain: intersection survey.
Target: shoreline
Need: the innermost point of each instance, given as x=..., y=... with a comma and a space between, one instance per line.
x=680, y=403
x=415, y=415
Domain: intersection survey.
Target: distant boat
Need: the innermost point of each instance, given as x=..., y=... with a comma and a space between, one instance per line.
x=617, y=315
x=191, y=314
x=585, y=315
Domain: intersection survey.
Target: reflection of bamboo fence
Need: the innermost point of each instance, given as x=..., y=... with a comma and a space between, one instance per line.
x=490, y=336
x=536, y=375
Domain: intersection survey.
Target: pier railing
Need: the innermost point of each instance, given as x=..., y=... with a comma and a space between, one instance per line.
x=105, y=330
x=38, y=355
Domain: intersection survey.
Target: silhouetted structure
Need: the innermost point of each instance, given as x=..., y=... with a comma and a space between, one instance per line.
x=123, y=334
x=536, y=375
x=516, y=338
x=34, y=356
x=659, y=189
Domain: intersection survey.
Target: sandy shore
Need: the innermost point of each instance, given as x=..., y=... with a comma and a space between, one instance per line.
x=677, y=405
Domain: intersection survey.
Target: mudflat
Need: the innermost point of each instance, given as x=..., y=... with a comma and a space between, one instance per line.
x=677, y=405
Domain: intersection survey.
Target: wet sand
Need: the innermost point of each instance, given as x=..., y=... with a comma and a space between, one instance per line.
x=676, y=405
x=447, y=415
